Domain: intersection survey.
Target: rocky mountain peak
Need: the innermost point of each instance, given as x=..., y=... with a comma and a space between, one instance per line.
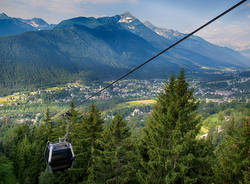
x=149, y=24
x=167, y=33
x=3, y=16
x=127, y=17
x=39, y=21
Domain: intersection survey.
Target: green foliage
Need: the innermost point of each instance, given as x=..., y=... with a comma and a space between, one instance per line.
x=85, y=139
x=24, y=158
x=46, y=177
x=233, y=154
x=25, y=147
x=93, y=49
x=43, y=58
x=6, y=171
x=93, y=126
x=117, y=160
x=170, y=151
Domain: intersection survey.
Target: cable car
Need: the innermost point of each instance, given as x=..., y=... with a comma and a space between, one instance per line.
x=59, y=156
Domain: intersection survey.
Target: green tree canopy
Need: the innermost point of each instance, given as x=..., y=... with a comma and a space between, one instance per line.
x=233, y=160
x=117, y=159
x=170, y=151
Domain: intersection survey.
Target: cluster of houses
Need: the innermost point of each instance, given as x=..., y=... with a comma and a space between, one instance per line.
x=127, y=89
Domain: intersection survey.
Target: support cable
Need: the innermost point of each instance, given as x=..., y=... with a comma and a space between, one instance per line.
x=163, y=51
x=160, y=53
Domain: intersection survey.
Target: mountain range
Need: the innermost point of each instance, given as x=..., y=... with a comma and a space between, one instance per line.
x=91, y=49
x=11, y=26
x=246, y=53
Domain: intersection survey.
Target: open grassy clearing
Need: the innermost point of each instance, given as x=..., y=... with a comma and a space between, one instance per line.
x=9, y=99
x=141, y=102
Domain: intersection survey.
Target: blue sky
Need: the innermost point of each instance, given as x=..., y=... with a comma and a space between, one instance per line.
x=233, y=30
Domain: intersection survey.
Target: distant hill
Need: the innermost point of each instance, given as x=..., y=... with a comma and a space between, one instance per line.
x=246, y=53
x=38, y=23
x=40, y=58
x=200, y=46
x=92, y=49
x=12, y=26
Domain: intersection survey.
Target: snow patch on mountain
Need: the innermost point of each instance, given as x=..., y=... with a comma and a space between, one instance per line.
x=4, y=16
x=34, y=24
x=126, y=19
x=167, y=33
x=131, y=27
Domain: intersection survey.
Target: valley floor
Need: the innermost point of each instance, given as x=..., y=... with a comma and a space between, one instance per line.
x=134, y=99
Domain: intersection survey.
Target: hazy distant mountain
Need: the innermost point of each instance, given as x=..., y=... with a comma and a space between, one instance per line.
x=11, y=26
x=101, y=49
x=246, y=53
x=134, y=25
x=39, y=23
x=195, y=49
x=197, y=45
x=167, y=33
x=40, y=58
x=3, y=16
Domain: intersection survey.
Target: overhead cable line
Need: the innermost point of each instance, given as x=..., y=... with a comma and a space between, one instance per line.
x=163, y=51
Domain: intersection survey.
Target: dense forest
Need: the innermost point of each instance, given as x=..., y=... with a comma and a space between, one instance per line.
x=101, y=49
x=168, y=149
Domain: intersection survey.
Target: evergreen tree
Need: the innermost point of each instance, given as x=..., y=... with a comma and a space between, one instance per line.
x=169, y=148
x=46, y=177
x=69, y=121
x=41, y=135
x=44, y=131
x=233, y=155
x=67, y=124
x=117, y=159
x=74, y=119
x=14, y=148
x=6, y=171
x=87, y=146
x=24, y=160
x=48, y=124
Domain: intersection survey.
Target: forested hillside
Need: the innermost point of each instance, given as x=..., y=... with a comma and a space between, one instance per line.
x=101, y=49
x=168, y=150
x=12, y=26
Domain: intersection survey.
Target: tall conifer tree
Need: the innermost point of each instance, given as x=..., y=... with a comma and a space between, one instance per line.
x=87, y=147
x=170, y=151
x=71, y=122
x=233, y=156
x=117, y=159
x=24, y=158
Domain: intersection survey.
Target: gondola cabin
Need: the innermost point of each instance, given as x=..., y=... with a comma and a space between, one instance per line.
x=59, y=156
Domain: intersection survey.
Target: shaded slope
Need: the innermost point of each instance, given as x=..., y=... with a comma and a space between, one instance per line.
x=100, y=49
x=222, y=55
x=36, y=59
x=12, y=26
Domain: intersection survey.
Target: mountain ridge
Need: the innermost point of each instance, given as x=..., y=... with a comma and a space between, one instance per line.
x=11, y=26
x=4, y=16
x=97, y=49
x=201, y=45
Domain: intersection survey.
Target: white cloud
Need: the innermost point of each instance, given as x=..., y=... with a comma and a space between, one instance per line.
x=106, y=1
x=52, y=10
x=235, y=35
x=65, y=6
